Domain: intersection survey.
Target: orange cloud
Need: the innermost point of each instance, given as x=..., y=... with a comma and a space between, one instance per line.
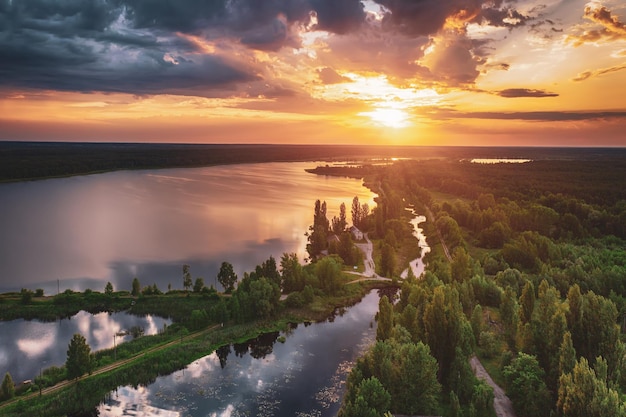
x=588, y=74
x=612, y=29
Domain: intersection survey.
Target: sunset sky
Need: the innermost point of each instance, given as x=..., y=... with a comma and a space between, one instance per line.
x=401, y=72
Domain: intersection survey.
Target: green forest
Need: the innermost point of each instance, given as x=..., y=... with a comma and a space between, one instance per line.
x=531, y=279
x=527, y=273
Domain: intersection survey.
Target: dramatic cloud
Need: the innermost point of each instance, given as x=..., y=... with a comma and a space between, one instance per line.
x=360, y=65
x=427, y=17
x=540, y=116
x=525, y=92
x=338, y=16
x=588, y=74
x=152, y=46
x=450, y=58
x=612, y=29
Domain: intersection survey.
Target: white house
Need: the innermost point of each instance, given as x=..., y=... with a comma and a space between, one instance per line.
x=356, y=233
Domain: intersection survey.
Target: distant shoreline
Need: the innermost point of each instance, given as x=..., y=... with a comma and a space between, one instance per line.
x=27, y=161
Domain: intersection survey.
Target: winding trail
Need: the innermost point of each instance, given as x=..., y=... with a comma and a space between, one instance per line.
x=501, y=403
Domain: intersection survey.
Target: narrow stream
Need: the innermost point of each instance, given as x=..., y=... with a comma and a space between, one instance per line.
x=417, y=265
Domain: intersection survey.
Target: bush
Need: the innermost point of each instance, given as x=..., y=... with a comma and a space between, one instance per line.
x=490, y=344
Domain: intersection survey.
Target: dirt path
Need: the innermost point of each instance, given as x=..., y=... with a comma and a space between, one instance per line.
x=368, y=249
x=501, y=403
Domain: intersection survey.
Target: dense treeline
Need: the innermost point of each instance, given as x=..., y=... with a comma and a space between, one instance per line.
x=31, y=160
x=535, y=285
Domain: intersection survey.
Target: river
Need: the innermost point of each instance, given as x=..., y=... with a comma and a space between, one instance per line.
x=417, y=265
x=304, y=376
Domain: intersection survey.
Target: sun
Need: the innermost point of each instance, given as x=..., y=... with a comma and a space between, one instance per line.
x=389, y=117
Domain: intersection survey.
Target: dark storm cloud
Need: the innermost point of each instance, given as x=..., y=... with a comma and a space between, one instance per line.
x=74, y=45
x=136, y=45
x=427, y=17
x=525, y=92
x=339, y=16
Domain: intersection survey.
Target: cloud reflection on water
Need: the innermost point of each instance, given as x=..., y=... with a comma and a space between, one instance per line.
x=301, y=377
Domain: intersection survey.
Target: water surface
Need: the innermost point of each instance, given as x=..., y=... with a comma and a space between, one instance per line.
x=28, y=346
x=87, y=230
x=304, y=376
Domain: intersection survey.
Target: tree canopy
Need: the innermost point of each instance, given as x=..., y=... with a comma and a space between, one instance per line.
x=78, y=360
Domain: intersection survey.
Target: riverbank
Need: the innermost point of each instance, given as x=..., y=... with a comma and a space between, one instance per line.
x=168, y=354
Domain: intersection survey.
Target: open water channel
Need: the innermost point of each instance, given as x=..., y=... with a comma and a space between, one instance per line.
x=304, y=376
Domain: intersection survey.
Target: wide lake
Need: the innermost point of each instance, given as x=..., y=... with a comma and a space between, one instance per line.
x=84, y=231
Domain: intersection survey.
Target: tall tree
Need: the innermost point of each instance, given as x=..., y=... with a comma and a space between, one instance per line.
x=567, y=355
x=187, y=280
x=292, y=273
x=476, y=322
x=339, y=223
x=356, y=212
x=461, y=267
x=108, y=289
x=7, y=390
x=78, y=357
x=265, y=296
x=198, y=285
x=227, y=277
x=269, y=270
x=365, y=212
x=136, y=287
x=385, y=319
x=527, y=302
x=342, y=217
x=446, y=328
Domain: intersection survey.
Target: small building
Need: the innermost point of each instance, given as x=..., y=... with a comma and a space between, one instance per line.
x=356, y=233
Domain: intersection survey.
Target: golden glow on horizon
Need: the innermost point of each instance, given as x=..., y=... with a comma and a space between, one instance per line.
x=470, y=82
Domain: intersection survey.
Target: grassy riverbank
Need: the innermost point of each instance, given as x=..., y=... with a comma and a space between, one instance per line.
x=141, y=361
